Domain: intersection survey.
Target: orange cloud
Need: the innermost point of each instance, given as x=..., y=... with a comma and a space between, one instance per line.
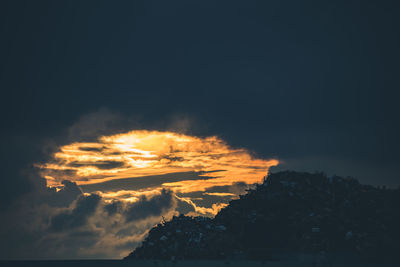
x=215, y=208
x=147, y=153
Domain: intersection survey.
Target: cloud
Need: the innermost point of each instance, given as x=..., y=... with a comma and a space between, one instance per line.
x=101, y=164
x=154, y=206
x=220, y=194
x=113, y=207
x=142, y=153
x=139, y=183
x=89, y=227
x=100, y=192
x=116, y=228
x=100, y=122
x=200, y=174
x=65, y=196
x=85, y=206
x=129, y=180
x=194, y=210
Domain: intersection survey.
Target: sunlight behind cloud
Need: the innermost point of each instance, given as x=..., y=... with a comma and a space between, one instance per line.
x=140, y=154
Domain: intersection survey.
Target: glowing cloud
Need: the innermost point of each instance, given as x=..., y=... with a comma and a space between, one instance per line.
x=141, y=154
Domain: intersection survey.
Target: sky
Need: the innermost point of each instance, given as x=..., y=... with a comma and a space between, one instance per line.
x=116, y=113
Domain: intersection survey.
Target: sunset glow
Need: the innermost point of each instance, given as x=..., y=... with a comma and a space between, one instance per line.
x=141, y=154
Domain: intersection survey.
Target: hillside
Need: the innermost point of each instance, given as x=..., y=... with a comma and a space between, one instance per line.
x=288, y=212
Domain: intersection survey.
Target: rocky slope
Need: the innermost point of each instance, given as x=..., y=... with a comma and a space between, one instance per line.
x=288, y=212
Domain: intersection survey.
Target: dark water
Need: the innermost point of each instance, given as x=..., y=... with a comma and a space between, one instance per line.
x=150, y=263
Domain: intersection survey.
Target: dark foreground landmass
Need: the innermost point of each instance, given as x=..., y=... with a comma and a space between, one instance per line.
x=290, y=214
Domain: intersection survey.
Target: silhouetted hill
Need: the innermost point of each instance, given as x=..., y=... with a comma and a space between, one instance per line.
x=288, y=212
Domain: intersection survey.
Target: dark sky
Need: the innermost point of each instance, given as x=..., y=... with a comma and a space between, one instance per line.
x=312, y=83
